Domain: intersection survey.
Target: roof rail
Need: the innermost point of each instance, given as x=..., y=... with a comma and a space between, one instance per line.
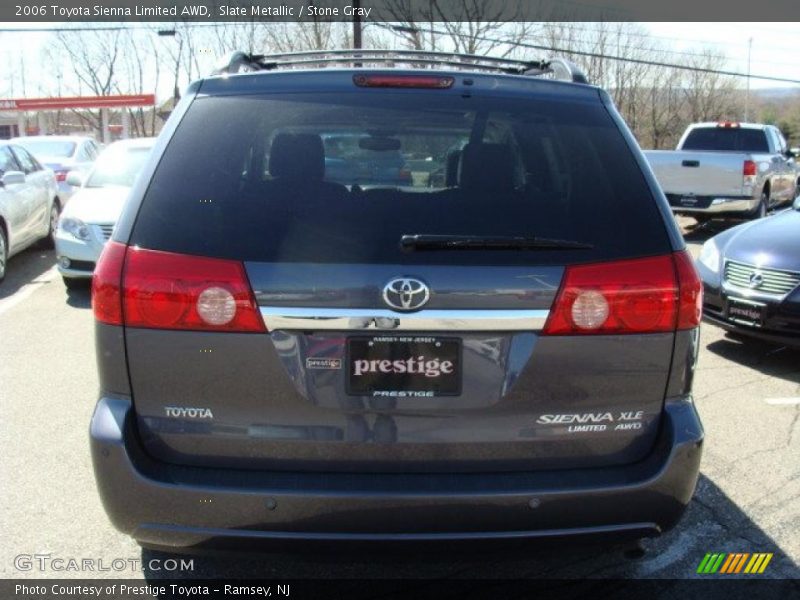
x=557, y=68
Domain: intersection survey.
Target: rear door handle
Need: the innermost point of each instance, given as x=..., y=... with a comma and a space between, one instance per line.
x=690, y=163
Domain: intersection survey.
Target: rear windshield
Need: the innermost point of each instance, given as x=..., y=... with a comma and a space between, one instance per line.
x=726, y=139
x=118, y=166
x=51, y=148
x=342, y=177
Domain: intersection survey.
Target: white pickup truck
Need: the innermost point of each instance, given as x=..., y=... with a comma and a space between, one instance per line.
x=727, y=169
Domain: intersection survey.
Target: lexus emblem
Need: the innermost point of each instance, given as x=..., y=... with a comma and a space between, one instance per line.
x=756, y=279
x=406, y=293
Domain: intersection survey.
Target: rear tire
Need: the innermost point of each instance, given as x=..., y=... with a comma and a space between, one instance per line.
x=763, y=206
x=3, y=253
x=50, y=240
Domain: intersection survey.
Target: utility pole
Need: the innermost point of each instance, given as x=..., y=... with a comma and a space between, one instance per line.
x=176, y=92
x=747, y=94
x=356, y=25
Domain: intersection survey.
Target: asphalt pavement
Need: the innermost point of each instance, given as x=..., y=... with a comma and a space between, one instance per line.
x=747, y=500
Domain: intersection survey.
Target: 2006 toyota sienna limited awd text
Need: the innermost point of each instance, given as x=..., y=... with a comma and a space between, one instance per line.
x=504, y=350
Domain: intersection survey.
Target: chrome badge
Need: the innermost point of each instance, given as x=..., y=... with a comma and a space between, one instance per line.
x=756, y=279
x=406, y=293
x=184, y=412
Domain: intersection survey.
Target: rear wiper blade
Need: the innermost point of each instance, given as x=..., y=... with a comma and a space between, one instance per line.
x=410, y=243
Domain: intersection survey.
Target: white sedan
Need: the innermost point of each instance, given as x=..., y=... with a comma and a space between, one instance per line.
x=88, y=220
x=62, y=154
x=29, y=204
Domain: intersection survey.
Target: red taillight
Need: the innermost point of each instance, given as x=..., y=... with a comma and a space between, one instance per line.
x=690, y=305
x=61, y=175
x=163, y=290
x=106, y=284
x=749, y=168
x=728, y=124
x=647, y=295
x=403, y=81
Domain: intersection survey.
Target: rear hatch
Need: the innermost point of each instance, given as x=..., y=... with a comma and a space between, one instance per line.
x=399, y=327
x=683, y=173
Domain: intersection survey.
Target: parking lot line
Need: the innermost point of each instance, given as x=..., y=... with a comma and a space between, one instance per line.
x=28, y=289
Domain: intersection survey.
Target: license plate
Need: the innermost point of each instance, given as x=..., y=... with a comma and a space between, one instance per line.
x=688, y=200
x=747, y=313
x=403, y=366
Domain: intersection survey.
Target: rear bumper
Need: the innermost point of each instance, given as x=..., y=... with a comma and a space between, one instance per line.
x=173, y=506
x=65, y=192
x=770, y=336
x=719, y=206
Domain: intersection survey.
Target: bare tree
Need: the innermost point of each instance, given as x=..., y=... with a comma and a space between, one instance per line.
x=470, y=26
x=664, y=119
x=709, y=96
x=656, y=101
x=139, y=73
x=315, y=34
x=93, y=58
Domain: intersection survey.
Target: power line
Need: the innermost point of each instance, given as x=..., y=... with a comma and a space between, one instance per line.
x=566, y=25
x=742, y=46
x=697, y=54
x=405, y=29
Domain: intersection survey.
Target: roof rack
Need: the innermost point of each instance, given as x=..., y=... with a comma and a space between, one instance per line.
x=557, y=68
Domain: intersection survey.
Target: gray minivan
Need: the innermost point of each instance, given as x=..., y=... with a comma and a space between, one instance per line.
x=507, y=354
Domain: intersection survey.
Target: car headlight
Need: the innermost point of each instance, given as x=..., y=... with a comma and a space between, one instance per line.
x=75, y=227
x=709, y=255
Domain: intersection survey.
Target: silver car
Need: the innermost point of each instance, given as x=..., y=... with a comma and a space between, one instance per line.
x=727, y=169
x=62, y=154
x=29, y=204
x=89, y=218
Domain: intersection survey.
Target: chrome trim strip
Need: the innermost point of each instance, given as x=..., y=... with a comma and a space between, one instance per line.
x=361, y=319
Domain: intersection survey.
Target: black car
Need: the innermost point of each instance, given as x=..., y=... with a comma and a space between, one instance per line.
x=286, y=357
x=751, y=277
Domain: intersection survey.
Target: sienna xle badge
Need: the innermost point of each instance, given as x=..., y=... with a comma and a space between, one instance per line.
x=374, y=304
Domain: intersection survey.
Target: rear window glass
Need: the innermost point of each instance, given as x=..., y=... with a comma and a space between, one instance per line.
x=118, y=166
x=342, y=177
x=49, y=148
x=726, y=139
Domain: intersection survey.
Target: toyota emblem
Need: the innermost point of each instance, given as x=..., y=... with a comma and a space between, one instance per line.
x=406, y=293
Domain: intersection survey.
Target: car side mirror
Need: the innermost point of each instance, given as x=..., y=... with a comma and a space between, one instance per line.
x=74, y=178
x=12, y=177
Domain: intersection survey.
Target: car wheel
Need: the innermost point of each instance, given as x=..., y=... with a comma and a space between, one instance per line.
x=761, y=210
x=50, y=240
x=3, y=253
x=73, y=283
